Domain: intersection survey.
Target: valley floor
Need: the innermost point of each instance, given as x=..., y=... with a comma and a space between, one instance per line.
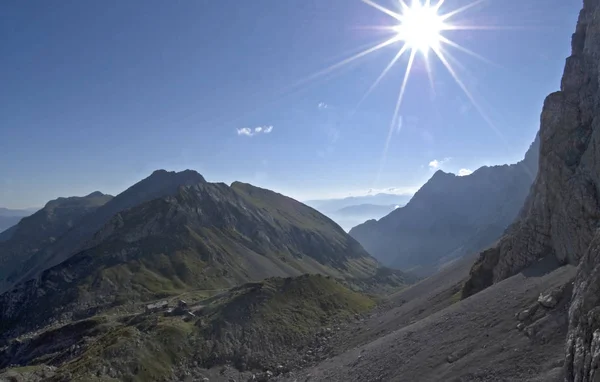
x=472, y=340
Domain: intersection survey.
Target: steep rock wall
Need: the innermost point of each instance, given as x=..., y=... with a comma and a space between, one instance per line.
x=561, y=214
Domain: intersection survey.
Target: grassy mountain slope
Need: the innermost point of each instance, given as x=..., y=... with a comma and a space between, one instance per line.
x=207, y=236
x=46, y=226
x=250, y=326
x=159, y=184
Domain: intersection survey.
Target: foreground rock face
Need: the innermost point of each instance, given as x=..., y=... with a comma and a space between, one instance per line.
x=561, y=214
x=450, y=216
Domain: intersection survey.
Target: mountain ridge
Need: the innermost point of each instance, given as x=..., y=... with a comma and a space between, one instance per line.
x=204, y=236
x=450, y=216
x=33, y=233
x=159, y=183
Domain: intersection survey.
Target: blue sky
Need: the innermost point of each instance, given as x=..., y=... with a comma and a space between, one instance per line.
x=97, y=95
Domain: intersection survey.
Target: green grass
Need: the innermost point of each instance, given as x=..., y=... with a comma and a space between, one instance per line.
x=456, y=297
x=27, y=369
x=142, y=350
x=248, y=326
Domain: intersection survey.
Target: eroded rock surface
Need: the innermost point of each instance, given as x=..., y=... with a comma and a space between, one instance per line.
x=561, y=214
x=560, y=218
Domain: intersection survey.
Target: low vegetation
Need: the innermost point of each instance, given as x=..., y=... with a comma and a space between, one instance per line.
x=255, y=326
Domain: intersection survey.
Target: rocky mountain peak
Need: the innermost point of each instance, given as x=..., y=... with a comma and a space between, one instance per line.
x=189, y=175
x=450, y=216
x=95, y=194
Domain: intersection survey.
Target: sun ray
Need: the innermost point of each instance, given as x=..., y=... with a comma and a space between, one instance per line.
x=438, y=5
x=429, y=74
x=464, y=88
x=462, y=27
x=385, y=71
x=395, y=116
x=461, y=10
x=465, y=50
x=383, y=9
x=404, y=5
x=347, y=61
x=478, y=107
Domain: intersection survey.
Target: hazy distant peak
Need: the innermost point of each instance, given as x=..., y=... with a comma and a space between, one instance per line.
x=186, y=174
x=96, y=194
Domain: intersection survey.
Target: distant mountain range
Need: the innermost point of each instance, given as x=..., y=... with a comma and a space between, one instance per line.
x=10, y=217
x=450, y=216
x=351, y=211
x=381, y=199
x=17, y=212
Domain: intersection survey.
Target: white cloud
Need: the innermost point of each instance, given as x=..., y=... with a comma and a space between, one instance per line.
x=464, y=172
x=322, y=106
x=257, y=130
x=245, y=131
x=436, y=164
x=399, y=127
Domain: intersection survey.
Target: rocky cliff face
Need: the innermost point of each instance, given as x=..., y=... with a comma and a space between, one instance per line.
x=450, y=216
x=561, y=214
x=206, y=236
x=582, y=76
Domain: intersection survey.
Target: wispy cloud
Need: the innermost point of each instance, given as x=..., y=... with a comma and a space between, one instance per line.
x=436, y=164
x=389, y=190
x=248, y=132
x=333, y=134
x=464, y=172
x=322, y=106
x=399, y=127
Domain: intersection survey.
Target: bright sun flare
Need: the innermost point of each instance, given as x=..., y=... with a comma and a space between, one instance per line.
x=420, y=27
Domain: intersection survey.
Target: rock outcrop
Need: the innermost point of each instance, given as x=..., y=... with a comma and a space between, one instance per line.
x=561, y=214
x=450, y=216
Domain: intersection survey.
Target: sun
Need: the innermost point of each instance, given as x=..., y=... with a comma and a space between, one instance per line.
x=417, y=29
x=420, y=27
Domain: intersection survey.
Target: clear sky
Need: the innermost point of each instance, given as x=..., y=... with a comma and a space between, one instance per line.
x=95, y=95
